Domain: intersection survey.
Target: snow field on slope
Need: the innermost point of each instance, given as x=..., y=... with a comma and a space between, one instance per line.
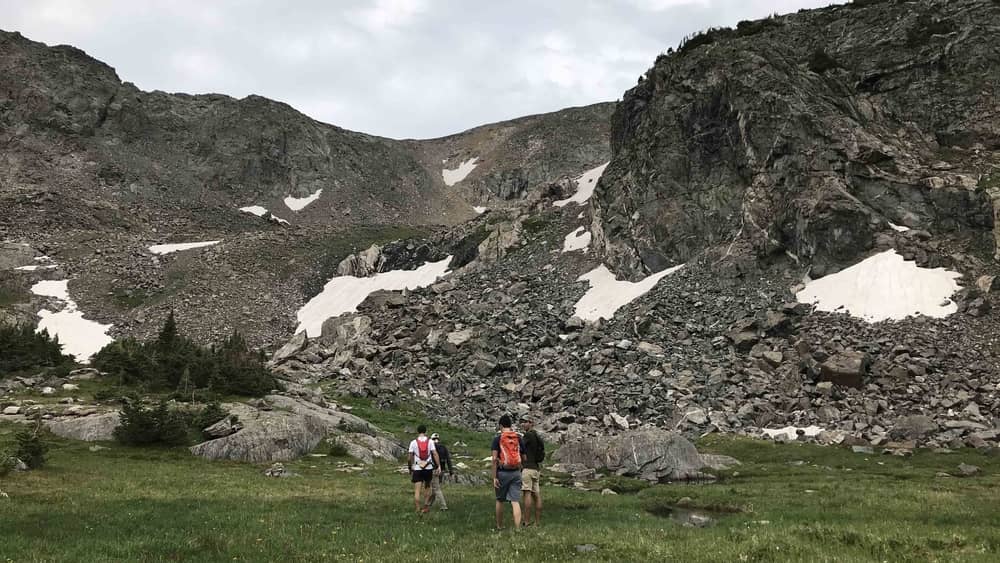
x=791, y=432
x=177, y=247
x=80, y=338
x=343, y=294
x=254, y=210
x=300, y=203
x=479, y=209
x=577, y=240
x=585, y=185
x=608, y=294
x=884, y=287
x=456, y=175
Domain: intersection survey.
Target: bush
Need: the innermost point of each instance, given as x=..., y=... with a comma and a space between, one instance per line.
x=209, y=415
x=30, y=447
x=337, y=449
x=820, y=62
x=142, y=426
x=21, y=348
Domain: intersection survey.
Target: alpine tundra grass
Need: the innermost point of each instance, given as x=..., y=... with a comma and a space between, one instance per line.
x=789, y=502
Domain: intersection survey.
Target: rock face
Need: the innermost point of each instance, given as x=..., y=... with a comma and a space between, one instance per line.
x=806, y=134
x=288, y=429
x=93, y=428
x=653, y=455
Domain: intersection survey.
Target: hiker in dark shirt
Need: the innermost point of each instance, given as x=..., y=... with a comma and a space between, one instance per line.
x=436, y=492
x=534, y=454
x=508, y=453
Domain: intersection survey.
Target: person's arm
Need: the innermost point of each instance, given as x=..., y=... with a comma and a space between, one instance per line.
x=541, y=448
x=437, y=462
x=496, y=480
x=409, y=462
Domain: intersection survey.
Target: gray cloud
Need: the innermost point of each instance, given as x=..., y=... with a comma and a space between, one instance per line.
x=399, y=68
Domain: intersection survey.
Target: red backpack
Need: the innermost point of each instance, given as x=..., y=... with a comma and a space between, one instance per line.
x=510, y=449
x=423, y=451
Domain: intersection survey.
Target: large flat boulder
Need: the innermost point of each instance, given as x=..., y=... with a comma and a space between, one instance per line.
x=650, y=454
x=287, y=429
x=93, y=428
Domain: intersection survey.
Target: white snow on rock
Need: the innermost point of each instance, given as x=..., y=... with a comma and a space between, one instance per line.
x=168, y=248
x=607, y=294
x=343, y=294
x=300, y=203
x=585, y=185
x=34, y=267
x=791, y=432
x=278, y=220
x=884, y=287
x=456, y=175
x=577, y=240
x=899, y=228
x=80, y=338
x=479, y=209
x=254, y=210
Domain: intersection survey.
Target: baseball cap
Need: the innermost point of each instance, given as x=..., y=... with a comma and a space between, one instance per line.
x=435, y=436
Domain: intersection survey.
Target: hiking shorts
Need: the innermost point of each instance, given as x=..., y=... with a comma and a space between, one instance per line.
x=530, y=480
x=422, y=476
x=510, y=486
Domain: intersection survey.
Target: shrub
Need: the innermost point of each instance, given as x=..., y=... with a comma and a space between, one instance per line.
x=337, y=449
x=22, y=348
x=141, y=425
x=209, y=415
x=820, y=62
x=128, y=360
x=707, y=37
x=240, y=370
x=30, y=447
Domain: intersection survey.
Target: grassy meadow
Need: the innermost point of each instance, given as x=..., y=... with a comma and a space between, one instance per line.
x=788, y=502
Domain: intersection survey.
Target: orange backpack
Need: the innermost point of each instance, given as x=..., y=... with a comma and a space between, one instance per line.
x=510, y=449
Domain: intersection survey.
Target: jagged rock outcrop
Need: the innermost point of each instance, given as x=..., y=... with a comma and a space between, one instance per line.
x=806, y=134
x=286, y=429
x=651, y=454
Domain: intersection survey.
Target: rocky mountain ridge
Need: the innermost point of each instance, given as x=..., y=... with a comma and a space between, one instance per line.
x=807, y=134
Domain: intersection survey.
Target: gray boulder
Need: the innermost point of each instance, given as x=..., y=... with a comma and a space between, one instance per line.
x=93, y=428
x=367, y=448
x=847, y=369
x=651, y=454
x=292, y=347
x=288, y=430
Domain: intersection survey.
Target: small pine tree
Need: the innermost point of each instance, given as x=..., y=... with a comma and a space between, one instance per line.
x=30, y=447
x=144, y=426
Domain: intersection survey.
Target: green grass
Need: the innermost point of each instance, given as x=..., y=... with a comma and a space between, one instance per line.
x=785, y=503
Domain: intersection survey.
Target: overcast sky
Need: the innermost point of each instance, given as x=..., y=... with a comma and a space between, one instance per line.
x=399, y=68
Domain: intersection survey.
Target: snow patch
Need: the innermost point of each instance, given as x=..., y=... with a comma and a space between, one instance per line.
x=278, y=220
x=254, y=210
x=479, y=209
x=168, y=248
x=34, y=267
x=607, y=294
x=80, y=338
x=456, y=175
x=577, y=240
x=792, y=432
x=899, y=228
x=884, y=287
x=585, y=185
x=343, y=294
x=300, y=203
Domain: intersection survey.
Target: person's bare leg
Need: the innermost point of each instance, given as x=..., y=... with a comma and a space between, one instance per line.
x=538, y=507
x=427, y=495
x=431, y=500
x=517, y=514
x=499, y=515
x=527, y=507
x=416, y=495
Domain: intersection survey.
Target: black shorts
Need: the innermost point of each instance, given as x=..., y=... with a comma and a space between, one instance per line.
x=424, y=476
